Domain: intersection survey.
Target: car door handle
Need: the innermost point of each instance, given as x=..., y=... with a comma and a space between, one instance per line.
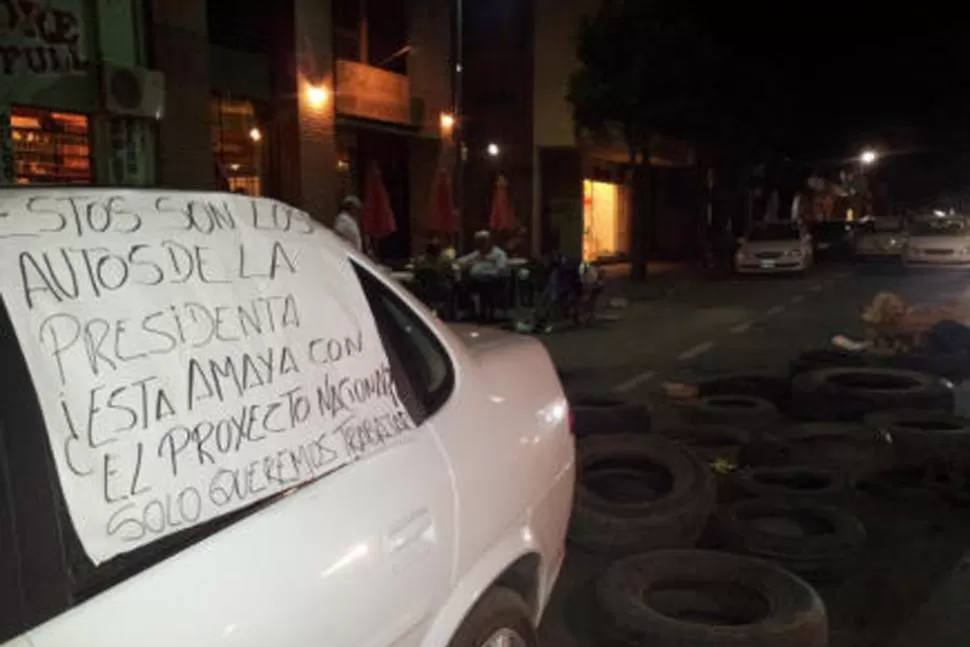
x=409, y=530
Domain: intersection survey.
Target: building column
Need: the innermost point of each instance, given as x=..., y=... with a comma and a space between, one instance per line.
x=316, y=141
x=181, y=51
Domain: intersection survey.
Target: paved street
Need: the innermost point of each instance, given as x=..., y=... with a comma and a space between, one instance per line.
x=735, y=325
x=758, y=325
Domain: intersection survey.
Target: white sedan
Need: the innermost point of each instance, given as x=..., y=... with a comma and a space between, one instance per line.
x=774, y=247
x=938, y=243
x=881, y=238
x=220, y=425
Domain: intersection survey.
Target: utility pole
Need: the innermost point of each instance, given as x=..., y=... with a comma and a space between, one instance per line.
x=458, y=186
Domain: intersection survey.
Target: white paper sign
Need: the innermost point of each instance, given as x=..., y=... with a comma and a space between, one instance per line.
x=193, y=354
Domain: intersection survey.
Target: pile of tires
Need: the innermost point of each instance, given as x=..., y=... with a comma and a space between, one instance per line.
x=708, y=599
x=851, y=393
x=766, y=472
x=636, y=493
x=597, y=414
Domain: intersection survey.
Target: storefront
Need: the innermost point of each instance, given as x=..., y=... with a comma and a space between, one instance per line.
x=606, y=220
x=65, y=116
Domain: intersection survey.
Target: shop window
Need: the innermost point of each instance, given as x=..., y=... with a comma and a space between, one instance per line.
x=50, y=147
x=238, y=141
x=606, y=220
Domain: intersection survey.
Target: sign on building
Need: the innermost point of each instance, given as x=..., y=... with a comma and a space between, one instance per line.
x=371, y=93
x=41, y=37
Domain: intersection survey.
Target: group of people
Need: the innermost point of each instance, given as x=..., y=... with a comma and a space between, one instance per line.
x=480, y=277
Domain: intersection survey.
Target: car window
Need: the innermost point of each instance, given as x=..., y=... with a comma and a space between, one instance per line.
x=420, y=362
x=775, y=231
x=941, y=227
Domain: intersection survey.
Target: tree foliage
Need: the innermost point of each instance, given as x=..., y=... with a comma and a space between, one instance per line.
x=645, y=68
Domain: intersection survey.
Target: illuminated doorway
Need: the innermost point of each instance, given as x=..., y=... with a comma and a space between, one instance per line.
x=605, y=220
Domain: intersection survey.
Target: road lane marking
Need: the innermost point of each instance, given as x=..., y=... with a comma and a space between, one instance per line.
x=777, y=310
x=699, y=349
x=634, y=382
x=744, y=326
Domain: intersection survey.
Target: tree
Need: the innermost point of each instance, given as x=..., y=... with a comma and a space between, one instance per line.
x=645, y=69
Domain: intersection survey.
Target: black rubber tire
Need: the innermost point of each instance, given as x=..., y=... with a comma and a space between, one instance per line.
x=774, y=388
x=594, y=415
x=762, y=604
x=856, y=450
x=712, y=442
x=797, y=482
x=745, y=411
x=849, y=394
x=825, y=358
x=920, y=436
x=499, y=608
x=951, y=366
x=630, y=516
x=818, y=542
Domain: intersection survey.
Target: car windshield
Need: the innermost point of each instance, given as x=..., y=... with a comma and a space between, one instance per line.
x=774, y=231
x=949, y=227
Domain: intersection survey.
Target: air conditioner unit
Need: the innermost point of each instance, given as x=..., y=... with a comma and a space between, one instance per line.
x=133, y=91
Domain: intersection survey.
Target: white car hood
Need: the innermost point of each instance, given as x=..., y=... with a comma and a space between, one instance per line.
x=939, y=242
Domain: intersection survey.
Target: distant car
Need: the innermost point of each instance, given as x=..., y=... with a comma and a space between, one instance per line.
x=939, y=243
x=272, y=443
x=775, y=247
x=881, y=238
x=833, y=238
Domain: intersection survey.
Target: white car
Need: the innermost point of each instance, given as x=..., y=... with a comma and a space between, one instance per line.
x=938, y=243
x=881, y=238
x=219, y=425
x=773, y=247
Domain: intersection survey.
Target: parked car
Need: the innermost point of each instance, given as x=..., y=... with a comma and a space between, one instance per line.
x=220, y=425
x=833, y=239
x=881, y=238
x=771, y=247
x=938, y=243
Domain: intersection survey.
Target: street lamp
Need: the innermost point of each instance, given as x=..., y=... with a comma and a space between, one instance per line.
x=493, y=150
x=868, y=157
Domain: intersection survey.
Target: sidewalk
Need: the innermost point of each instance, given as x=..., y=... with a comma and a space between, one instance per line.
x=663, y=279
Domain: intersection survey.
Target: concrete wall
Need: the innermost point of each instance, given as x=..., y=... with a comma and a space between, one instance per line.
x=555, y=60
x=181, y=51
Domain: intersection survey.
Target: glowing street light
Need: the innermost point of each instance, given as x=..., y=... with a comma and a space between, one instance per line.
x=868, y=157
x=493, y=150
x=255, y=135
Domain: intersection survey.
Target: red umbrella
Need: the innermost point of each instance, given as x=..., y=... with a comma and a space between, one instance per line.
x=443, y=209
x=376, y=216
x=502, y=217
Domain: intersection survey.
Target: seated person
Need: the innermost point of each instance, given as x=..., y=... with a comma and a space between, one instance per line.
x=485, y=270
x=572, y=289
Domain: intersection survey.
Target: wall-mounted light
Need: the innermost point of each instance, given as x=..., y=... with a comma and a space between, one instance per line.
x=255, y=135
x=317, y=95
x=493, y=150
x=447, y=122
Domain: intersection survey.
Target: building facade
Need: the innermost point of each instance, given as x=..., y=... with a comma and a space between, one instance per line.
x=292, y=99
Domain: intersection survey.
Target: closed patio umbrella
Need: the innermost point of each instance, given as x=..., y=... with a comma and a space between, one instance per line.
x=376, y=216
x=502, y=216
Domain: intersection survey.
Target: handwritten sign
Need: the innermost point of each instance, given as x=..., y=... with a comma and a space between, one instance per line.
x=193, y=354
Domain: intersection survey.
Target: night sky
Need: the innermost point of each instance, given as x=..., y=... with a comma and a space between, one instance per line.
x=850, y=74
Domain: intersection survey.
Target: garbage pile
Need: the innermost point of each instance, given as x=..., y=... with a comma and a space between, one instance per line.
x=761, y=472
